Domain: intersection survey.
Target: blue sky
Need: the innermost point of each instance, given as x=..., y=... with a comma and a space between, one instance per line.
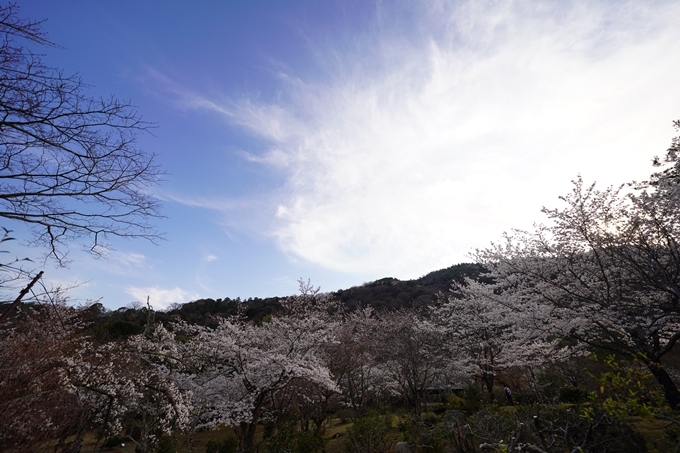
x=349, y=141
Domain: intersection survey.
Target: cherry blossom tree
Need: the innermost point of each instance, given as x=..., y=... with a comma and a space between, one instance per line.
x=57, y=383
x=34, y=403
x=494, y=333
x=413, y=354
x=352, y=359
x=232, y=371
x=304, y=401
x=125, y=392
x=666, y=181
x=605, y=271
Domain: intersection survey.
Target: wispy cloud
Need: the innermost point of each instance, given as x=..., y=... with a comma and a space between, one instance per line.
x=127, y=258
x=123, y=262
x=161, y=298
x=430, y=135
x=210, y=258
x=206, y=202
x=184, y=97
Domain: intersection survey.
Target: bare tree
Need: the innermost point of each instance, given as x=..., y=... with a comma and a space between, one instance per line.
x=69, y=164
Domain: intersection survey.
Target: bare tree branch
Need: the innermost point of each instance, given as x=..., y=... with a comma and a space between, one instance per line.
x=70, y=167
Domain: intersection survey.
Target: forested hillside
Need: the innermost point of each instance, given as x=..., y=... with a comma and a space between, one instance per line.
x=386, y=294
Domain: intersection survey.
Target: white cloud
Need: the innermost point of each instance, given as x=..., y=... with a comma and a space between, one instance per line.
x=422, y=143
x=161, y=298
x=210, y=258
x=127, y=259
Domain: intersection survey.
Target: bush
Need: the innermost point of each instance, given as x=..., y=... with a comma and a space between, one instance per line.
x=369, y=434
x=550, y=381
x=119, y=329
x=439, y=410
x=588, y=426
x=628, y=388
x=593, y=429
x=438, y=434
x=525, y=398
x=227, y=445
x=283, y=441
x=471, y=399
x=573, y=395
x=309, y=442
x=288, y=440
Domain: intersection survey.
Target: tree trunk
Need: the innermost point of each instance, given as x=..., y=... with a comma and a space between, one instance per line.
x=488, y=379
x=248, y=429
x=670, y=389
x=533, y=381
x=319, y=426
x=21, y=296
x=248, y=436
x=417, y=405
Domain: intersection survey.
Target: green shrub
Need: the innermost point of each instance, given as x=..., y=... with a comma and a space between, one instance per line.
x=573, y=395
x=227, y=445
x=283, y=441
x=118, y=329
x=471, y=399
x=524, y=398
x=592, y=428
x=369, y=434
x=289, y=440
x=438, y=434
x=309, y=442
x=628, y=388
x=439, y=410
x=550, y=381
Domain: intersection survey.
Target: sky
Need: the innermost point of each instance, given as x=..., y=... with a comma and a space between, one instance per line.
x=346, y=141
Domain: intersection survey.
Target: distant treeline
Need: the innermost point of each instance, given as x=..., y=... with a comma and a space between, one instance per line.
x=386, y=294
